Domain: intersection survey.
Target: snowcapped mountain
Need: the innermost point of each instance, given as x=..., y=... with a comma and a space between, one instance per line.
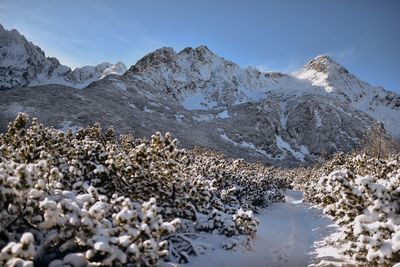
x=337, y=82
x=203, y=100
x=81, y=77
x=24, y=64
x=199, y=79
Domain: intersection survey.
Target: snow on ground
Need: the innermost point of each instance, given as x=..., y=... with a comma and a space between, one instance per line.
x=325, y=253
x=283, y=117
x=245, y=145
x=203, y=117
x=290, y=234
x=179, y=117
x=252, y=146
x=285, y=146
x=197, y=101
x=318, y=121
x=223, y=115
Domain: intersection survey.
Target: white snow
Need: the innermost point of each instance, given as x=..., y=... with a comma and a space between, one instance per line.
x=316, y=78
x=223, y=115
x=179, y=117
x=197, y=101
x=304, y=150
x=252, y=146
x=203, y=118
x=288, y=235
x=318, y=121
x=245, y=145
x=283, y=116
x=285, y=146
x=119, y=68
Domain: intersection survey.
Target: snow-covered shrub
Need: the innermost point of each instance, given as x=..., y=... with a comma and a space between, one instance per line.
x=55, y=222
x=90, y=198
x=239, y=184
x=363, y=195
x=20, y=253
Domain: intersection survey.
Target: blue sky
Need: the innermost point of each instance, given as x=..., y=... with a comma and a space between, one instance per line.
x=362, y=35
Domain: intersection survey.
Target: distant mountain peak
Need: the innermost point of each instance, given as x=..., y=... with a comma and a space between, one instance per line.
x=203, y=49
x=161, y=55
x=325, y=64
x=199, y=49
x=24, y=64
x=168, y=56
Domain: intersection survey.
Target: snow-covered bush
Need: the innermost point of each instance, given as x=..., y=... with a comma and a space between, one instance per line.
x=89, y=198
x=363, y=195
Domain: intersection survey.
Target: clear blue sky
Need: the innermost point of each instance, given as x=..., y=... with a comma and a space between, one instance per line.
x=362, y=35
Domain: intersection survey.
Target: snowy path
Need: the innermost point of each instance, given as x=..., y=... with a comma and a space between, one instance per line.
x=286, y=237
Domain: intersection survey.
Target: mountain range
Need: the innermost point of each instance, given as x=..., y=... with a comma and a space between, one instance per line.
x=202, y=99
x=25, y=64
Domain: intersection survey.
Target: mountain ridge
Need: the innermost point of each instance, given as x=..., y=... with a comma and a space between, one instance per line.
x=206, y=100
x=200, y=82
x=24, y=64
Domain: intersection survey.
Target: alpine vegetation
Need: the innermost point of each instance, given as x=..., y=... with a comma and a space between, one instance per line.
x=362, y=193
x=92, y=199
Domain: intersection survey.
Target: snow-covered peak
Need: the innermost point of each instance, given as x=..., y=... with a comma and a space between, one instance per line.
x=324, y=72
x=336, y=81
x=200, y=53
x=89, y=74
x=200, y=79
x=119, y=68
x=325, y=64
x=15, y=49
x=24, y=64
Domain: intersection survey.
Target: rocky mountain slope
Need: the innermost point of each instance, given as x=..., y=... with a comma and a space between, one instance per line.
x=205, y=100
x=280, y=130
x=199, y=79
x=24, y=64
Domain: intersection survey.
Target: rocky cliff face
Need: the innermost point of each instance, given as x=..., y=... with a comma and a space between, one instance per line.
x=24, y=64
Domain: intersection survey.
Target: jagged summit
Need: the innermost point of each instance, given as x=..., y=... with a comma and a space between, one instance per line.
x=24, y=64
x=325, y=64
x=199, y=80
x=169, y=57
x=163, y=55
x=326, y=73
x=200, y=50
